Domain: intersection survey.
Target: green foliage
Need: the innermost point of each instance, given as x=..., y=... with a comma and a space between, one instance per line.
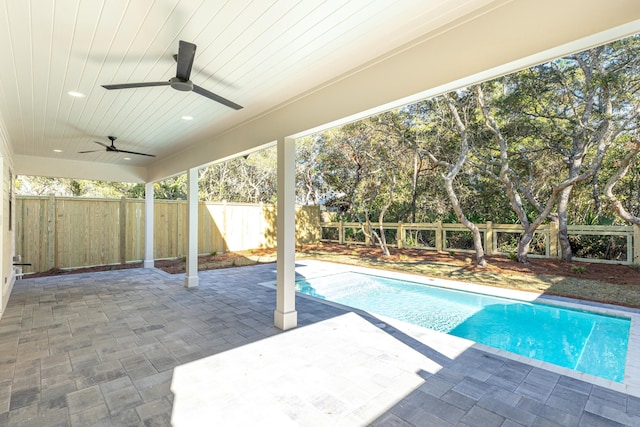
x=599, y=247
x=578, y=269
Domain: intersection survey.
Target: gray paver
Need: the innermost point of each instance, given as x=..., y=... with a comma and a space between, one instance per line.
x=82, y=400
x=101, y=349
x=154, y=408
x=568, y=400
x=633, y=405
x=481, y=417
x=592, y=420
x=123, y=398
x=24, y=397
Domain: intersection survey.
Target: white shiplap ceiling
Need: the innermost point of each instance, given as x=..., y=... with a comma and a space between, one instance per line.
x=259, y=54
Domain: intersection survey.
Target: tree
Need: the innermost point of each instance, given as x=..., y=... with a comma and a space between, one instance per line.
x=250, y=179
x=452, y=171
x=361, y=163
x=311, y=188
x=403, y=127
x=510, y=180
x=578, y=105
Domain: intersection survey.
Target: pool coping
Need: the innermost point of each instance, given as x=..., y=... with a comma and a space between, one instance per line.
x=630, y=385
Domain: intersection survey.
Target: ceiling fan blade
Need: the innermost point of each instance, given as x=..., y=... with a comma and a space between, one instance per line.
x=100, y=143
x=133, y=152
x=186, y=53
x=201, y=91
x=134, y=85
x=91, y=151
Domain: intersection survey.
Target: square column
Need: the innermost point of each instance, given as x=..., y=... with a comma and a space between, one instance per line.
x=286, y=316
x=191, y=276
x=148, y=225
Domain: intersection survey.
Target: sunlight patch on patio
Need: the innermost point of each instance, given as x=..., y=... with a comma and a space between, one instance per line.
x=343, y=370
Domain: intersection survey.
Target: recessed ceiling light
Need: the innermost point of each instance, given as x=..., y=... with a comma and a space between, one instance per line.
x=76, y=94
x=56, y=150
x=187, y=118
x=127, y=158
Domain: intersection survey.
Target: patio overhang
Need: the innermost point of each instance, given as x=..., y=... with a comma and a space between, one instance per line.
x=501, y=37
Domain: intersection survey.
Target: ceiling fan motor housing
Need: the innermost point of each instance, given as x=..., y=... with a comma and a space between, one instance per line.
x=179, y=84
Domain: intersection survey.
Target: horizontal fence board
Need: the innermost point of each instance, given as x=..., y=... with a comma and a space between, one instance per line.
x=491, y=232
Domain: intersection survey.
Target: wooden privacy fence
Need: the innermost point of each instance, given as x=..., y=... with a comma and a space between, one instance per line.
x=66, y=232
x=612, y=244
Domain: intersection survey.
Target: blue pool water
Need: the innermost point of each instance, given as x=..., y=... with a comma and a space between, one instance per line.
x=579, y=340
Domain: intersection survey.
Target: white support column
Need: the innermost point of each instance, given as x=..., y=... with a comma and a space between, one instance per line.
x=191, y=276
x=148, y=226
x=285, y=316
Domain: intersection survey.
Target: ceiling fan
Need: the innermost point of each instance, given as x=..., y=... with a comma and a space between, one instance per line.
x=184, y=58
x=112, y=148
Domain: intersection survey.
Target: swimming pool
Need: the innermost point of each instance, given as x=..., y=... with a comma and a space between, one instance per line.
x=583, y=341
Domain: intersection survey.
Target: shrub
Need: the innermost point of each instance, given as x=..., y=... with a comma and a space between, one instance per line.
x=578, y=269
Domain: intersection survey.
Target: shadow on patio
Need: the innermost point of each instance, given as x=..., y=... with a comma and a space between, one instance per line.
x=134, y=347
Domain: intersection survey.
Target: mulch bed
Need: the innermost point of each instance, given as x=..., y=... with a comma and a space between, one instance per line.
x=608, y=273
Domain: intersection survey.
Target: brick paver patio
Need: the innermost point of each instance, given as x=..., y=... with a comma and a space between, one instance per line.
x=133, y=347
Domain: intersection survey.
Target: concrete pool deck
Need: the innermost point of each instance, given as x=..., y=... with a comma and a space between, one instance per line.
x=134, y=347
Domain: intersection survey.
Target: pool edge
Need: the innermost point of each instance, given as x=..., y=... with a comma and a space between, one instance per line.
x=631, y=383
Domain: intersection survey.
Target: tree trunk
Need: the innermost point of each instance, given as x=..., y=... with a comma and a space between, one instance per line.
x=477, y=243
x=383, y=240
x=383, y=212
x=477, y=236
x=616, y=204
x=414, y=186
x=563, y=234
x=523, y=246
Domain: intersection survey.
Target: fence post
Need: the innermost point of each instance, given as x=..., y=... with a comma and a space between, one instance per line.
x=341, y=232
x=553, y=239
x=123, y=230
x=439, y=236
x=400, y=235
x=488, y=239
x=636, y=244
x=179, y=236
x=51, y=233
x=225, y=244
